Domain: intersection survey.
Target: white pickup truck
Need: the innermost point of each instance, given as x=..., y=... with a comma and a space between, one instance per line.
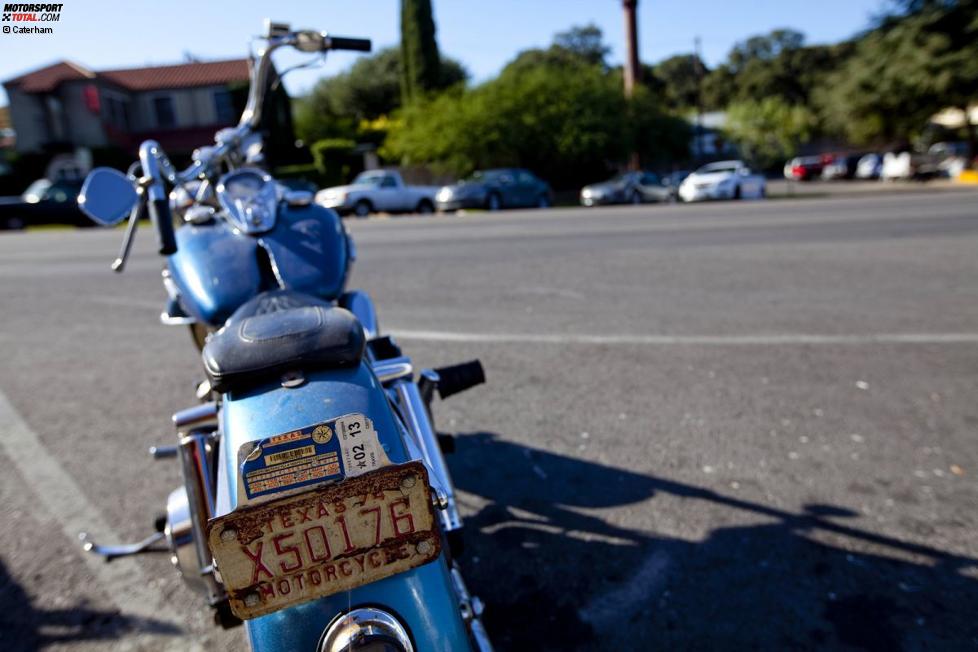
x=376, y=191
x=723, y=180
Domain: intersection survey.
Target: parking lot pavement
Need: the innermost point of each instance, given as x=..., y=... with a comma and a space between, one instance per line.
x=723, y=426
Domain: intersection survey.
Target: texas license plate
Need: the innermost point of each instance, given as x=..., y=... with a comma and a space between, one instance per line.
x=276, y=554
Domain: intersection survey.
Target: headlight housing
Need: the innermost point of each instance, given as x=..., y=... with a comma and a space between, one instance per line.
x=366, y=629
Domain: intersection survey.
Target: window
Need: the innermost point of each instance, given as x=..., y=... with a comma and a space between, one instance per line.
x=163, y=108
x=116, y=111
x=388, y=182
x=649, y=179
x=224, y=107
x=525, y=178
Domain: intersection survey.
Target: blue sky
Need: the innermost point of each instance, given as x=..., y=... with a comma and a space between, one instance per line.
x=483, y=35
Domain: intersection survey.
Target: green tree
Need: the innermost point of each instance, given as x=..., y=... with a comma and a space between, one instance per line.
x=420, y=69
x=586, y=42
x=578, y=45
x=565, y=119
x=677, y=79
x=908, y=68
x=370, y=89
x=771, y=130
x=766, y=47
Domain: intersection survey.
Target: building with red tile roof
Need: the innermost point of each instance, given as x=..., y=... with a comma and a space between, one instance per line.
x=67, y=105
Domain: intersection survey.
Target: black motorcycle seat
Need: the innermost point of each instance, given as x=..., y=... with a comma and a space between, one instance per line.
x=281, y=331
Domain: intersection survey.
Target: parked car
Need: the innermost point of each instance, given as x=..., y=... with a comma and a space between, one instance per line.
x=44, y=202
x=949, y=157
x=628, y=188
x=496, y=189
x=903, y=165
x=869, y=166
x=674, y=179
x=378, y=191
x=723, y=180
x=840, y=166
x=803, y=168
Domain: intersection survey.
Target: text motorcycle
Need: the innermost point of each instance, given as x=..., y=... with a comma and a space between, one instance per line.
x=317, y=506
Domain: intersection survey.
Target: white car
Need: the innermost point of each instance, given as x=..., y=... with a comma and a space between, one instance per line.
x=376, y=191
x=869, y=166
x=723, y=180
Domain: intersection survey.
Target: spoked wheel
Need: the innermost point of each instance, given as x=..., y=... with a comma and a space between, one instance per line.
x=543, y=202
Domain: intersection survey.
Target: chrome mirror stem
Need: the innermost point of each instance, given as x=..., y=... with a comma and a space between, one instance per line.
x=136, y=214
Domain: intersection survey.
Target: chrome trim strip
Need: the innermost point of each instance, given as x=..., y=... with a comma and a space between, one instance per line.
x=393, y=369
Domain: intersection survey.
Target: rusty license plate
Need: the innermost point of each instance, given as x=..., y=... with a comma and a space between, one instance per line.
x=276, y=554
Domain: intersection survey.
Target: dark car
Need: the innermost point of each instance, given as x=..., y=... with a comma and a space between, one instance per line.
x=628, y=188
x=496, y=189
x=44, y=202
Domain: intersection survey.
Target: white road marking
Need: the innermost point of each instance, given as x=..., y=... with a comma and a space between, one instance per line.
x=606, y=610
x=708, y=340
x=760, y=339
x=123, y=580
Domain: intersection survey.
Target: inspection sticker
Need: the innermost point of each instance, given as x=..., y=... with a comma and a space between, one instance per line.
x=320, y=453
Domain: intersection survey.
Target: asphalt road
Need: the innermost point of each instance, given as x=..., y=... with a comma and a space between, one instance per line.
x=727, y=426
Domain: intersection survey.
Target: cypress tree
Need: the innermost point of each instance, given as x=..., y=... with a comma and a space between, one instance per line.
x=420, y=64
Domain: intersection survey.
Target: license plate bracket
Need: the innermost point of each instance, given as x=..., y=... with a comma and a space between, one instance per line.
x=282, y=552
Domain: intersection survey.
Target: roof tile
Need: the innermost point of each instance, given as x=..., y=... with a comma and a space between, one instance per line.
x=184, y=75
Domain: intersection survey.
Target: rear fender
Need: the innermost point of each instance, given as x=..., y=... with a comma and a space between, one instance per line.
x=423, y=598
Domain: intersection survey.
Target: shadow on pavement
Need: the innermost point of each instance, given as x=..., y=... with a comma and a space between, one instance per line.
x=24, y=628
x=554, y=577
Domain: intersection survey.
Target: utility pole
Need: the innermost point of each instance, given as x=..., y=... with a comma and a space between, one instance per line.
x=698, y=138
x=632, y=70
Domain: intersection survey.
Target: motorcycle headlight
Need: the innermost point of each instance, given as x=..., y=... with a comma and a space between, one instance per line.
x=366, y=629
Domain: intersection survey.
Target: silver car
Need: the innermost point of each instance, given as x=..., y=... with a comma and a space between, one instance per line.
x=628, y=188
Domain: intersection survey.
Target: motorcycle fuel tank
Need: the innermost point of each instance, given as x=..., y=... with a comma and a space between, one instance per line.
x=309, y=250
x=216, y=267
x=216, y=270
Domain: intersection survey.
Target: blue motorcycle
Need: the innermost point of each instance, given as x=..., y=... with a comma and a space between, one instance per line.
x=317, y=507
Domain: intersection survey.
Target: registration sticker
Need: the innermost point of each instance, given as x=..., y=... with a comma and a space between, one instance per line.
x=324, y=452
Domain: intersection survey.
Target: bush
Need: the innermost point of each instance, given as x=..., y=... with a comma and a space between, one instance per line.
x=334, y=159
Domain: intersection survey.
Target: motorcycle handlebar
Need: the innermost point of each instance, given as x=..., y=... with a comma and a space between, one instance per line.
x=153, y=159
x=346, y=43
x=159, y=214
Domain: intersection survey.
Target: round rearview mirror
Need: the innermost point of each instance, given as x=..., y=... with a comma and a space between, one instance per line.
x=107, y=196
